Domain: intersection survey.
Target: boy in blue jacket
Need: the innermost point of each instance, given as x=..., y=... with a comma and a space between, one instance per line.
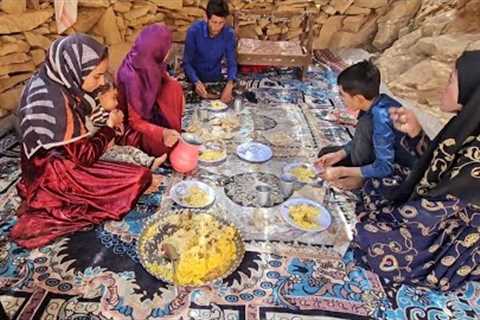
x=376, y=145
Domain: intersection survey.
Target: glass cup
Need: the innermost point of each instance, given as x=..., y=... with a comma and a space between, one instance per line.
x=237, y=105
x=287, y=185
x=264, y=194
x=201, y=114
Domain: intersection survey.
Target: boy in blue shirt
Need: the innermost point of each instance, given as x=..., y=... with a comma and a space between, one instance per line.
x=376, y=145
x=206, y=44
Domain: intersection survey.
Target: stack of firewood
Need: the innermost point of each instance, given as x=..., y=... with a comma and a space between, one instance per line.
x=27, y=27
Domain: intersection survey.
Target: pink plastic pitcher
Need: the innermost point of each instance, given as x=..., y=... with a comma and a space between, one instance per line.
x=184, y=157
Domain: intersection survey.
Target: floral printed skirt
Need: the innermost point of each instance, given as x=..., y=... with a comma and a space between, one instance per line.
x=429, y=242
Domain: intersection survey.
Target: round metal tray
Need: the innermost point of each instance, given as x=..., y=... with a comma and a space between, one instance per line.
x=158, y=227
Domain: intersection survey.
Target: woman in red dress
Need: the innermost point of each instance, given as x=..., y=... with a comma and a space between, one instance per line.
x=64, y=187
x=151, y=101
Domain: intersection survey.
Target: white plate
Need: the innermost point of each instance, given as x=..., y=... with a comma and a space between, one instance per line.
x=254, y=152
x=179, y=191
x=323, y=219
x=210, y=145
x=287, y=170
x=217, y=105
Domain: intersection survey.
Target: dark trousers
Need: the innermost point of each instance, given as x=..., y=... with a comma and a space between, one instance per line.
x=347, y=162
x=361, y=147
x=362, y=152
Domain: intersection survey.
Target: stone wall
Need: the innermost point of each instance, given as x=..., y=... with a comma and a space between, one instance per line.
x=417, y=66
x=27, y=27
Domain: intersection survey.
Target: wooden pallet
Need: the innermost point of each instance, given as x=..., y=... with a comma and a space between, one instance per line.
x=275, y=53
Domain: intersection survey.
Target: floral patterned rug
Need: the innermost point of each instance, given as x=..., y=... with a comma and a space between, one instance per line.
x=95, y=274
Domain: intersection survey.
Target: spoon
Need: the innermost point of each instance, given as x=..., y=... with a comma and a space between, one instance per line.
x=172, y=255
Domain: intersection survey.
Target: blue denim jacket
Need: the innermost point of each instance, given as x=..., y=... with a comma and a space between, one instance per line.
x=203, y=55
x=385, y=138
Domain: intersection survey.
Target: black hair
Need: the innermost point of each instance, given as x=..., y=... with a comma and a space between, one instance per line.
x=362, y=78
x=218, y=8
x=104, y=54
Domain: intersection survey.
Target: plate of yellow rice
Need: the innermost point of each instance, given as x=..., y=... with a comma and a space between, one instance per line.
x=306, y=215
x=217, y=105
x=302, y=172
x=207, y=248
x=192, y=194
x=213, y=152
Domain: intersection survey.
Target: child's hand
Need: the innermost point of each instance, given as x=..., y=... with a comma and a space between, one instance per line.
x=348, y=183
x=319, y=168
x=330, y=159
x=405, y=120
x=115, y=119
x=109, y=100
x=332, y=173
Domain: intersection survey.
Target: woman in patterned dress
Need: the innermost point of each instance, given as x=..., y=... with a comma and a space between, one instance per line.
x=428, y=230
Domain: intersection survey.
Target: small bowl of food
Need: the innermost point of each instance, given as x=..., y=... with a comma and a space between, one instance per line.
x=213, y=152
x=192, y=194
x=217, y=105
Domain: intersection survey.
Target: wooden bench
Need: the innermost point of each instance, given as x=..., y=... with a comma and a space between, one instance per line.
x=281, y=53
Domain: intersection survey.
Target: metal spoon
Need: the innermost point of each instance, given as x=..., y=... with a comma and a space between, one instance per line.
x=172, y=255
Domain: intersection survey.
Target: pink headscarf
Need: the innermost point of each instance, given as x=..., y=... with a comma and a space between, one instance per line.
x=140, y=75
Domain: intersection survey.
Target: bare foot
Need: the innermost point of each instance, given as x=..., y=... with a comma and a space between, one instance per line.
x=158, y=162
